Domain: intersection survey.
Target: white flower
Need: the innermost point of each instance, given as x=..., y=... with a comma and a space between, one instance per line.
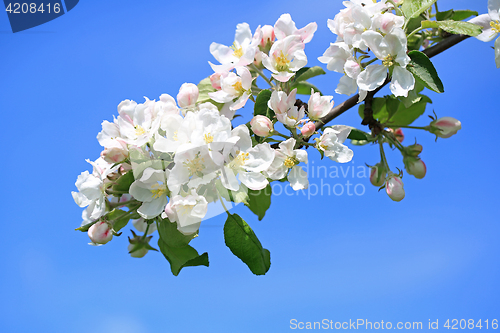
x=247, y=162
x=92, y=188
x=319, y=106
x=151, y=190
x=285, y=27
x=391, y=49
x=234, y=87
x=491, y=26
x=187, y=211
x=286, y=158
x=241, y=53
x=331, y=143
x=285, y=58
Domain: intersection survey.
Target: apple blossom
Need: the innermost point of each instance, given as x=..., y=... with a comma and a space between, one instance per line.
x=100, y=232
x=234, y=87
x=286, y=158
x=445, y=127
x=394, y=187
x=319, y=106
x=308, y=129
x=285, y=58
x=331, y=143
x=285, y=27
x=188, y=95
x=187, y=211
x=151, y=190
x=491, y=26
x=261, y=125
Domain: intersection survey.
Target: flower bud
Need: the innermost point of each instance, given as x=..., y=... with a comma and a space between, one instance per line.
x=114, y=155
x=261, y=125
x=415, y=166
x=445, y=127
x=398, y=133
x=377, y=174
x=268, y=36
x=414, y=150
x=100, y=232
x=215, y=80
x=394, y=188
x=188, y=95
x=138, y=252
x=308, y=129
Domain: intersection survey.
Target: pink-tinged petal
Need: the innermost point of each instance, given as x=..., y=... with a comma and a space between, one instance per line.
x=402, y=81
x=283, y=76
x=221, y=68
x=246, y=77
x=372, y=77
x=284, y=26
x=240, y=102
x=307, y=32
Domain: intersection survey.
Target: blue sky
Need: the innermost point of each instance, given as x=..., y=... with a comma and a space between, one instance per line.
x=432, y=256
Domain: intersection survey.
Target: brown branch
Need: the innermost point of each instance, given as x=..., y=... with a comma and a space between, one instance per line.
x=351, y=102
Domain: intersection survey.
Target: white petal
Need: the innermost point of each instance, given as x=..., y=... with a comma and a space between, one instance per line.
x=484, y=21
x=346, y=86
x=402, y=81
x=372, y=77
x=497, y=52
x=298, y=178
x=253, y=180
x=493, y=7
x=149, y=210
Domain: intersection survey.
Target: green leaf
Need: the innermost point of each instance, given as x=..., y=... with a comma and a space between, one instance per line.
x=121, y=218
x=260, y=107
x=413, y=8
x=171, y=235
x=441, y=16
x=392, y=105
x=123, y=183
x=379, y=109
x=454, y=27
x=406, y=116
x=306, y=73
x=259, y=201
x=460, y=15
x=422, y=69
x=174, y=246
x=180, y=257
x=205, y=87
x=359, y=135
x=243, y=243
x=304, y=88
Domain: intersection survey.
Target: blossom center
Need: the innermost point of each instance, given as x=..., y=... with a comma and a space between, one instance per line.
x=175, y=136
x=139, y=130
x=495, y=25
x=238, y=87
x=240, y=159
x=209, y=138
x=195, y=166
x=282, y=62
x=388, y=61
x=290, y=162
x=237, y=51
x=158, y=190
x=185, y=209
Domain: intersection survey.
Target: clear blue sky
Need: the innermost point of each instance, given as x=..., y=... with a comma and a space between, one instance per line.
x=435, y=255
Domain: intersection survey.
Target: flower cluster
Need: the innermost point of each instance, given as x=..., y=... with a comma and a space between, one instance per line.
x=364, y=25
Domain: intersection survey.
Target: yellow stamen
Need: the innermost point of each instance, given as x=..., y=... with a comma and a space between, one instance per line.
x=175, y=136
x=290, y=162
x=237, y=51
x=388, y=61
x=158, y=190
x=282, y=62
x=495, y=25
x=209, y=138
x=240, y=159
x=195, y=166
x=139, y=130
x=238, y=87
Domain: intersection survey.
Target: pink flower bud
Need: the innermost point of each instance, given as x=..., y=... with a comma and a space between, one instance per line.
x=308, y=129
x=398, y=133
x=415, y=167
x=215, y=80
x=414, y=150
x=394, y=188
x=100, y=232
x=114, y=155
x=261, y=125
x=188, y=95
x=377, y=174
x=267, y=35
x=445, y=127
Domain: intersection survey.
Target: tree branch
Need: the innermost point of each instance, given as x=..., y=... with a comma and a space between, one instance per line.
x=351, y=102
